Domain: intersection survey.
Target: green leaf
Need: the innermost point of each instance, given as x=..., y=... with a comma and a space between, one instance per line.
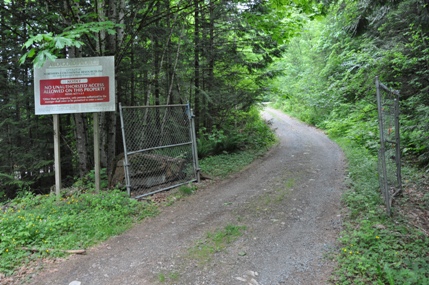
x=111, y=32
x=47, y=37
x=78, y=44
x=31, y=53
x=23, y=58
x=49, y=43
x=42, y=57
x=61, y=42
x=28, y=43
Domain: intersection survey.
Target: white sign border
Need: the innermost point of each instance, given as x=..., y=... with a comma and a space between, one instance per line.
x=107, y=64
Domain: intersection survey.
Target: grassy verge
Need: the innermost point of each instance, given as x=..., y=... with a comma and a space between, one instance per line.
x=375, y=248
x=33, y=227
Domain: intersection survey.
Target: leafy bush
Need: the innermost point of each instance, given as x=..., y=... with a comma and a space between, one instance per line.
x=210, y=143
x=356, y=122
x=242, y=130
x=88, y=181
x=415, y=130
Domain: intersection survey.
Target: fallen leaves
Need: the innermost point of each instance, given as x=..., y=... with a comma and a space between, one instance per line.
x=414, y=205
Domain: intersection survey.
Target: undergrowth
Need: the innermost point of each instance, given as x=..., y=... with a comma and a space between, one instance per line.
x=376, y=248
x=223, y=165
x=40, y=226
x=241, y=131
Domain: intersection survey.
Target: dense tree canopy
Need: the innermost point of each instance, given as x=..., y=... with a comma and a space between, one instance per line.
x=221, y=56
x=213, y=54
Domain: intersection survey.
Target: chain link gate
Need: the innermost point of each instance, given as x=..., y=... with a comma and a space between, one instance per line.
x=160, y=150
x=389, y=155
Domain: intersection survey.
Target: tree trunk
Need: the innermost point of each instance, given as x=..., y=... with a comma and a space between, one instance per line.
x=101, y=36
x=82, y=145
x=197, y=65
x=211, y=61
x=81, y=124
x=108, y=121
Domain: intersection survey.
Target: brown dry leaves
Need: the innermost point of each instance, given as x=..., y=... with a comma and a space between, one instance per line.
x=29, y=269
x=414, y=204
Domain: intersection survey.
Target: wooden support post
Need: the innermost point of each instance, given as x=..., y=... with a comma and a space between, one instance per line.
x=57, y=157
x=97, y=152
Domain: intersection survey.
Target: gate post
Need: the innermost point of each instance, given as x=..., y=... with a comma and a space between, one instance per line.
x=382, y=155
x=127, y=177
x=194, y=143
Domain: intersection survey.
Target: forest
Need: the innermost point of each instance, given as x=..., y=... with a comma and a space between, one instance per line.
x=330, y=72
x=316, y=60
x=212, y=54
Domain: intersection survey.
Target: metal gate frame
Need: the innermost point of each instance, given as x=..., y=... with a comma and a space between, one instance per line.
x=190, y=142
x=388, y=105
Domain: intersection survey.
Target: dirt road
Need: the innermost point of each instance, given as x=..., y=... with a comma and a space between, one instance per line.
x=286, y=204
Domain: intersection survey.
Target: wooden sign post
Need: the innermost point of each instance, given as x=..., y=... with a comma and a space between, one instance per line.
x=57, y=156
x=75, y=85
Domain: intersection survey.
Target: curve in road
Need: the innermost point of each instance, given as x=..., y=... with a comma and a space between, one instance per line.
x=288, y=201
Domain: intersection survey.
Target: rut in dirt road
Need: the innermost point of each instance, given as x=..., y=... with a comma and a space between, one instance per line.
x=287, y=203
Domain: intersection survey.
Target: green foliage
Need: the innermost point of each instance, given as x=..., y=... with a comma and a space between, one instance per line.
x=277, y=20
x=88, y=181
x=222, y=165
x=240, y=131
x=251, y=136
x=209, y=143
x=47, y=46
x=330, y=68
x=362, y=173
x=374, y=248
x=8, y=182
x=328, y=81
x=355, y=122
x=49, y=226
x=300, y=90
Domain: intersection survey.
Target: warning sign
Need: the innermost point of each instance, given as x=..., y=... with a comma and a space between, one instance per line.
x=75, y=85
x=74, y=90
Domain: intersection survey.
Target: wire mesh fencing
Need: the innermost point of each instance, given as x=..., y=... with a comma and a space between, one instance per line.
x=389, y=155
x=160, y=150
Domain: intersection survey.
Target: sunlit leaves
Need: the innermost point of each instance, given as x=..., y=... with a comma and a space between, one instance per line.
x=45, y=47
x=38, y=38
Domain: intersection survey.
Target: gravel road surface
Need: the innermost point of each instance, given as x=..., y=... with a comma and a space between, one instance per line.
x=286, y=203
